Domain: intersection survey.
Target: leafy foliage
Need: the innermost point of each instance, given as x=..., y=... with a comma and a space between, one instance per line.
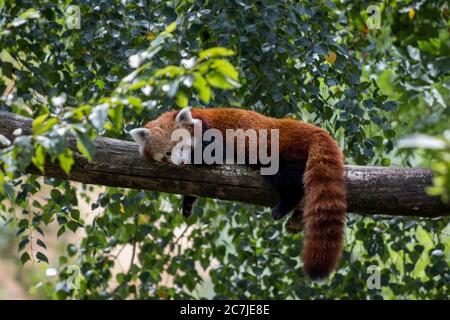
x=440, y=148
x=130, y=61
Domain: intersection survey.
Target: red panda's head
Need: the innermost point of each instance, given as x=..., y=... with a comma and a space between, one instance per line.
x=155, y=139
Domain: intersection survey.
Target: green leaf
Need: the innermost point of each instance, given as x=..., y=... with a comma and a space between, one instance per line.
x=364, y=85
x=182, y=100
x=7, y=69
x=71, y=250
x=218, y=80
x=389, y=134
x=135, y=102
x=72, y=225
x=46, y=126
x=25, y=257
x=201, y=85
x=39, y=158
x=389, y=106
x=116, y=116
x=226, y=68
x=169, y=71
x=85, y=146
x=215, y=52
x=61, y=231
x=30, y=14
x=20, y=231
x=100, y=83
x=41, y=257
x=386, y=162
x=23, y=243
x=66, y=160
x=38, y=122
x=75, y=214
x=321, y=49
x=41, y=243
x=8, y=189
x=61, y=219
x=171, y=27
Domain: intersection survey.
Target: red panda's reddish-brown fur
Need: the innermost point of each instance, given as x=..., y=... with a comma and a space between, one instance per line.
x=324, y=188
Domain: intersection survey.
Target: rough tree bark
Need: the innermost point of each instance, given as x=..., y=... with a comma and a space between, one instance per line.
x=371, y=190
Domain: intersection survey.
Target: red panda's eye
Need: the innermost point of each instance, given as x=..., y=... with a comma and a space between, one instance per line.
x=168, y=153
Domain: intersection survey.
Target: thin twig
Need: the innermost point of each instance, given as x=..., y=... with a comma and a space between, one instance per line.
x=254, y=252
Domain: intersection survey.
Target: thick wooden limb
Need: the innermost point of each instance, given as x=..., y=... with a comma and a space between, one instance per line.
x=371, y=190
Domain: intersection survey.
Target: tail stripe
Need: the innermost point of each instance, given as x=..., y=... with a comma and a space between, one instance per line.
x=325, y=207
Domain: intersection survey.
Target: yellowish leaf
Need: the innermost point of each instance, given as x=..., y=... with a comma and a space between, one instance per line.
x=331, y=57
x=38, y=122
x=143, y=219
x=151, y=36
x=171, y=27
x=215, y=52
x=182, y=100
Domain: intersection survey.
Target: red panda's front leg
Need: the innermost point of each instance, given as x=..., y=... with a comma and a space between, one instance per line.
x=288, y=182
x=187, y=205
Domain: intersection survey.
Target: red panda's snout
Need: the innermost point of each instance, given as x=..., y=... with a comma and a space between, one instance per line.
x=157, y=148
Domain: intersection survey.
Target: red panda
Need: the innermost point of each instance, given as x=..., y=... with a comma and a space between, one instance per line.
x=310, y=178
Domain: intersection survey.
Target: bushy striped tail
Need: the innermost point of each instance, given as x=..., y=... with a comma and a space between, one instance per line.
x=325, y=207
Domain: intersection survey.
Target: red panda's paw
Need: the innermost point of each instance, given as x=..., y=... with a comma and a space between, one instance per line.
x=295, y=222
x=187, y=212
x=279, y=212
x=293, y=229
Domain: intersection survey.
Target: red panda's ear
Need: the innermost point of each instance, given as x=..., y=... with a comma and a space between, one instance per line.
x=140, y=135
x=184, y=117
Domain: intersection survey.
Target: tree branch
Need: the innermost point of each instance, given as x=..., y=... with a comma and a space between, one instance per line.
x=371, y=190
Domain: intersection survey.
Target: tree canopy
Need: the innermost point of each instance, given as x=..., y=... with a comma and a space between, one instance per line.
x=130, y=61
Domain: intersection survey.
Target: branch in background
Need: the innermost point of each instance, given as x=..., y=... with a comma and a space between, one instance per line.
x=371, y=190
x=9, y=88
